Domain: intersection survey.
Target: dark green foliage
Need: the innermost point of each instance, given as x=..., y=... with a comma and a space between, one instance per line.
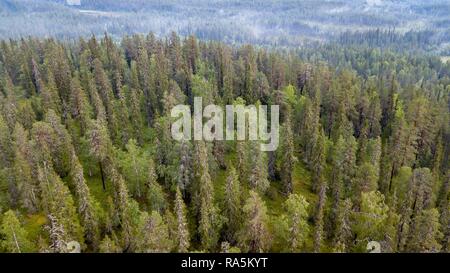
x=86, y=152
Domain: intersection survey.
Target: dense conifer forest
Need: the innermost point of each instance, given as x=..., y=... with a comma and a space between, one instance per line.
x=86, y=152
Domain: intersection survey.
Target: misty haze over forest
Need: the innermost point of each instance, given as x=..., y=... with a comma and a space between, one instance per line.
x=274, y=23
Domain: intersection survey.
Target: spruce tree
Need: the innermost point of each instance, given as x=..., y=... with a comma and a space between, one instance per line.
x=370, y=222
x=15, y=237
x=425, y=235
x=318, y=161
x=258, y=177
x=87, y=207
x=156, y=235
x=183, y=237
x=23, y=170
x=318, y=235
x=100, y=146
x=288, y=158
x=233, y=203
x=254, y=235
x=185, y=172
x=80, y=108
x=297, y=218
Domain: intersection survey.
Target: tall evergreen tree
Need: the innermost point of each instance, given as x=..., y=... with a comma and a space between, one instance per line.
x=209, y=219
x=100, y=146
x=156, y=235
x=318, y=161
x=233, y=203
x=183, y=237
x=23, y=170
x=288, y=158
x=258, y=176
x=254, y=235
x=318, y=235
x=15, y=237
x=297, y=216
x=425, y=235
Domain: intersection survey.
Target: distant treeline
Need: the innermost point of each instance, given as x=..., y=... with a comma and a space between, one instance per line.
x=285, y=23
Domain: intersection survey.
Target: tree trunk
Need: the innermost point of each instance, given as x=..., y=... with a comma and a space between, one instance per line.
x=103, y=177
